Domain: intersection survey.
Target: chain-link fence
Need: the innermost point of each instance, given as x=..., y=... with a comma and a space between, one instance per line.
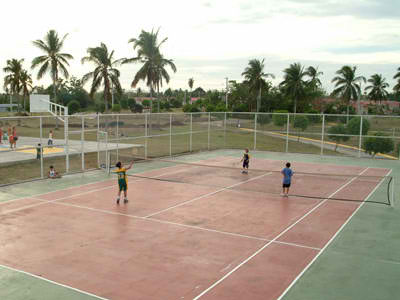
x=81, y=143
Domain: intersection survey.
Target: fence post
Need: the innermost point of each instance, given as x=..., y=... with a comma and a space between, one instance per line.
x=287, y=133
x=98, y=140
x=191, y=133
x=41, y=148
x=225, y=130
x=146, y=134
x=83, y=143
x=360, y=137
x=209, y=127
x=255, y=131
x=170, y=134
x=323, y=134
x=66, y=132
x=117, y=134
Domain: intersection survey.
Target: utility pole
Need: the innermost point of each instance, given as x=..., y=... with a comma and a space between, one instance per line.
x=226, y=95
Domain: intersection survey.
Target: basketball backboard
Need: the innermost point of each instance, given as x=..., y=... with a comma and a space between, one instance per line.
x=39, y=103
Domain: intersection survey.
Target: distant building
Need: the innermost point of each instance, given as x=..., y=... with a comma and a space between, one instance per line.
x=387, y=106
x=7, y=107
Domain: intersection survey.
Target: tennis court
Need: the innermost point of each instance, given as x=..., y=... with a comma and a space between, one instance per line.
x=198, y=229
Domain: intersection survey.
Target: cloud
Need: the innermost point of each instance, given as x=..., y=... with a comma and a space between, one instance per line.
x=367, y=9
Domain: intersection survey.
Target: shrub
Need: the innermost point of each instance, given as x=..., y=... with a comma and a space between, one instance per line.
x=116, y=108
x=210, y=108
x=353, y=127
x=100, y=107
x=125, y=103
x=315, y=118
x=280, y=119
x=136, y=107
x=263, y=119
x=189, y=108
x=340, y=130
x=300, y=122
x=73, y=107
x=374, y=145
x=176, y=103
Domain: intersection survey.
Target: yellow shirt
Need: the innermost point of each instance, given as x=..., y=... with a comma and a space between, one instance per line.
x=121, y=172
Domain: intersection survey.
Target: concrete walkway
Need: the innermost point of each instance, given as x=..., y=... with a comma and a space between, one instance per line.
x=26, y=152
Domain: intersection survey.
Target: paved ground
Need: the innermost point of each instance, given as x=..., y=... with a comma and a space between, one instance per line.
x=362, y=262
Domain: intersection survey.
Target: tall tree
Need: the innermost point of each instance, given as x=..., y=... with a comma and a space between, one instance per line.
x=12, y=81
x=190, y=83
x=105, y=72
x=293, y=84
x=348, y=85
x=254, y=75
x=153, y=63
x=377, y=88
x=396, y=88
x=26, y=85
x=53, y=61
x=313, y=73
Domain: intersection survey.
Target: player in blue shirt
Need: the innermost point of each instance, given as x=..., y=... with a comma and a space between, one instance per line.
x=287, y=178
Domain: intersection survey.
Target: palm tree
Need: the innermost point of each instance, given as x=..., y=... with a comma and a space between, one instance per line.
x=313, y=73
x=26, y=85
x=53, y=61
x=396, y=88
x=161, y=73
x=153, y=68
x=348, y=85
x=377, y=87
x=12, y=81
x=294, y=84
x=104, y=73
x=190, y=83
x=254, y=76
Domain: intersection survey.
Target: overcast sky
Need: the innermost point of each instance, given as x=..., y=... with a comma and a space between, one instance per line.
x=211, y=40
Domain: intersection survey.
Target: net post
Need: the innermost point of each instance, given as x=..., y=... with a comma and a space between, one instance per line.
x=322, y=134
x=107, y=154
x=392, y=203
x=287, y=133
x=170, y=135
x=146, y=134
x=360, y=137
x=117, y=133
x=209, y=127
x=255, y=131
x=66, y=143
x=191, y=133
x=41, y=150
x=83, y=143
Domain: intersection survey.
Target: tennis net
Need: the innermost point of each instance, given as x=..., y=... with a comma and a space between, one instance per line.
x=349, y=187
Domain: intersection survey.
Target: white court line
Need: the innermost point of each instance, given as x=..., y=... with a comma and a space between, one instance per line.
x=101, y=181
x=330, y=241
x=160, y=221
x=184, y=225
x=53, y=282
x=83, y=193
x=206, y=195
x=274, y=239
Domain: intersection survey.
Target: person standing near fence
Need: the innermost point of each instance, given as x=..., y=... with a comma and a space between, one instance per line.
x=15, y=137
x=10, y=137
x=50, y=141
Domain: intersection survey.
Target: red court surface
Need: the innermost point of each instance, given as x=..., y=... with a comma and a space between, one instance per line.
x=179, y=240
